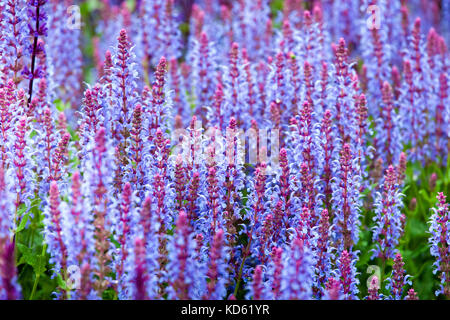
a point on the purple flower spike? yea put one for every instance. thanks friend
(333, 290)
(37, 25)
(140, 275)
(54, 236)
(347, 272)
(6, 208)
(412, 295)
(14, 35)
(346, 199)
(439, 242)
(399, 278)
(9, 288)
(276, 269)
(297, 276)
(373, 289)
(125, 229)
(323, 253)
(388, 228)
(258, 288)
(184, 273)
(217, 271)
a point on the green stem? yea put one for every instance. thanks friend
(244, 257)
(239, 276)
(383, 267)
(36, 280)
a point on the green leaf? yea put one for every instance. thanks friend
(28, 256)
(23, 223)
(61, 282)
(39, 267)
(425, 195)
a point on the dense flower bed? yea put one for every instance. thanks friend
(163, 149)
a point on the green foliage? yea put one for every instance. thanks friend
(414, 246)
(32, 258)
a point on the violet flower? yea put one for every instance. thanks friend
(62, 45)
(217, 270)
(439, 244)
(346, 200)
(203, 78)
(399, 278)
(412, 295)
(9, 287)
(97, 167)
(297, 274)
(388, 228)
(140, 275)
(13, 42)
(37, 25)
(53, 231)
(6, 208)
(184, 274)
(80, 242)
(373, 289)
(347, 275)
(258, 288)
(333, 290)
(323, 254)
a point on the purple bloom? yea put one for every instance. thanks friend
(184, 273)
(275, 272)
(373, 289)
(217, 270)
(440, 244)
(256, 215)
(323, 253)
(388, 228)
(54, 236)
(203, 74)
(148, 231)
(64, 55)
(125, 231)
(37, 25)
(140, 271)
(98, 165)
(6, 208)
(346, 200)
(329, 155)
(399, 278)
(80, 243)
(159, 31)
(333, 290)
(163, 184)
(9, 288)
(13, 41)
(258, 288)
(442, 118)
(124, 87)
(388, 141)
(415, 112)
(347, 275)
(297, 274)
(7, 98)
(412, 295)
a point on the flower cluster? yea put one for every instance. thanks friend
(227, 150)
(439, 241)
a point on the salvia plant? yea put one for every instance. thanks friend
(262, 149)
